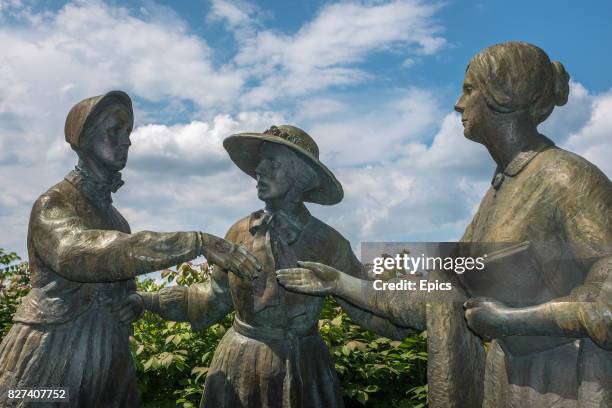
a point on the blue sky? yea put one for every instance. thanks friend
(373, 82)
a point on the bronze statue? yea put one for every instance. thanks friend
(72, 329)
(273, 356)
(550, 350)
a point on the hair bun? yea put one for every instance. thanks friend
(561, 78)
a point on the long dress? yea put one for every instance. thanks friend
(273, 356)
(66, 332)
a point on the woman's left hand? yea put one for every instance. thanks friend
(130, 310)
(488, 318)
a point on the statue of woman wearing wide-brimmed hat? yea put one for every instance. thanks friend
(273, 356)
(551, 335)
(71, 330)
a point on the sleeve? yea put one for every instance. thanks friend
(344, 260)
(208, 303)
(65, 244)
(591, 305)
(586, 211)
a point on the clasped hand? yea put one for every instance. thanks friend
(231, 257)
(130, 309)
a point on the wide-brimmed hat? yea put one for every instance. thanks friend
(82, 114)
(244, 150)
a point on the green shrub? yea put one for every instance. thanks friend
(14, 284)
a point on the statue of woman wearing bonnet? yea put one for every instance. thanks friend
(549, 315)
(71, 330)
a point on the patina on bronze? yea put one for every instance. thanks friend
(72, 329)
(273, 356)
(558, 205)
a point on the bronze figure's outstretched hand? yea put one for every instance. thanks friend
(234, 258)
(311, 278)
(488, 318)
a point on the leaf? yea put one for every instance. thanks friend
(371, 388)
(167, 360)
(199, 371)
(148, 364)
(354, 344)
(205, 356)
(362, 397)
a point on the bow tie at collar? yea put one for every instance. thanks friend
(287, 226)
(98, 191)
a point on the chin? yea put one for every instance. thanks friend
(470, 136)
(118, 166)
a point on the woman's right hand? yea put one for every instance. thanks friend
(234, 258)
(312, 278)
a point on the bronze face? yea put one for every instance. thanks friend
(109, 140)
(275, 172)
(476, 115)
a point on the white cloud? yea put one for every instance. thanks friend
(594, 140)
(234, 13)
(88, 48)
(427, 193)
(380, 134)
(321, 53)
(317, 108)
(196, 147)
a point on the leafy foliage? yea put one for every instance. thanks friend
(14, 283)
(172, 360)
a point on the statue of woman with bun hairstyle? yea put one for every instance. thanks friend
(552, 349)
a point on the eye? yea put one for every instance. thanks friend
(468, 89)
(114, 133)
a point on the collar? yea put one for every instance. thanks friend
(98, 191)
(520, 161)
(287, 225)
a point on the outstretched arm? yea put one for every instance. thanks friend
(202, 304)
(78, 253)
(398, 307)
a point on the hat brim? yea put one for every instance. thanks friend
(244, 150)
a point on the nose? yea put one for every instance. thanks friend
(459, 105)
(124, 140)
